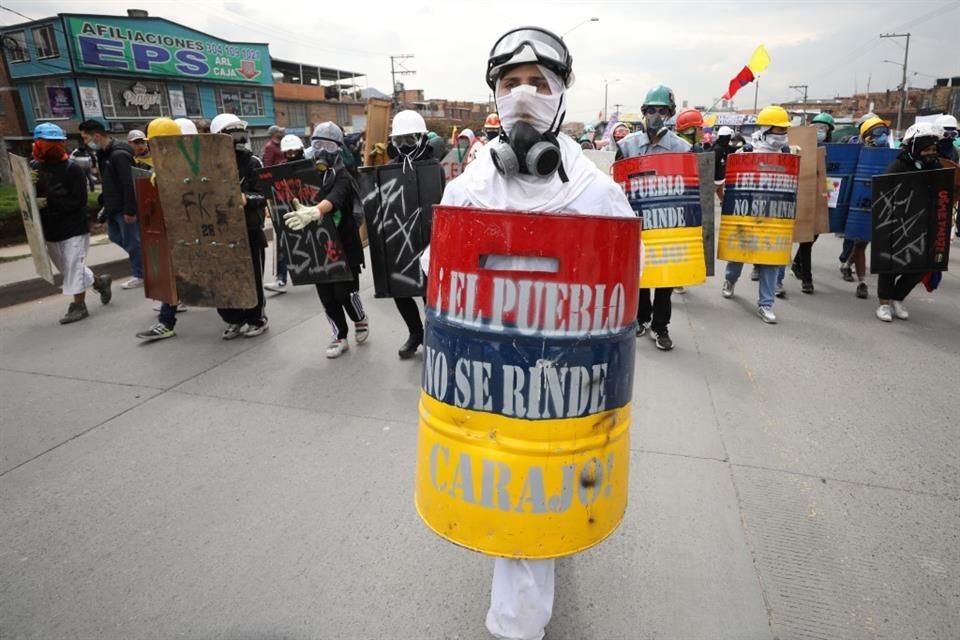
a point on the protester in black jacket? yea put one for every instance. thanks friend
(246, 322)
(62, 198)
(119, 200)
(339, 299)
(409, 144)
(918, 153)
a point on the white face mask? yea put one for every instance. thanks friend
(524, 103)
(776, 139)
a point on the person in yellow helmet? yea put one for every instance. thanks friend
(770, 137)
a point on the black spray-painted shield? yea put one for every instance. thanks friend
(911, 221)
(398, 207)
(315, 253)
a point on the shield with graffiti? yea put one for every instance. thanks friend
(315, 253)
(398, 205)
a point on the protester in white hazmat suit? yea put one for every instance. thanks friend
(529, 69)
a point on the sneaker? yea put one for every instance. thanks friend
(884, 313)
(232, 331)
(862, 291)
(846, 271)
(900, 311)
(642, 328)
(75, 312)
(727, 290)
(181, 308)
(780, 292)
(680, 290)
(766, 314)
(280, 286)
(795, 270)
(337, 348)
(133, 283)
(158, 331)
(253, 330)
(409, 348)
(104, 286)
(755, 273)
(661, 339)
(362, 331)
(806, 287)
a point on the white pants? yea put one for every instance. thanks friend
(70, 258)
(521, 598)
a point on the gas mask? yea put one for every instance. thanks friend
(326, 153)
(528, 144)
(239, 138)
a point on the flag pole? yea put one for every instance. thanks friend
(756, 92)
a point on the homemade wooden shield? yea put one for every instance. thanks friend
(911, 221)
(841, 165)
(199, 190)
(528, 376)
(159, 282)
(314, 253)
(759, 205)
(706, 166)
(664, 190)
(811, 218)
(30, 214)
(378, 126)
(398, 206)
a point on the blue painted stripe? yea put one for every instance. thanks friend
(527, 377)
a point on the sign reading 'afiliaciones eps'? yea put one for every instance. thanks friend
(163, 48)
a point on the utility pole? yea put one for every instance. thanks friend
(756, 93)
(903, 83)
(397, 69)
(616, 109)
(803, 118)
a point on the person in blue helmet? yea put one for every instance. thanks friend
(62, 193)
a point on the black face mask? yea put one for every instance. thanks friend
(239, 139)
(723, 141)
(529, 152)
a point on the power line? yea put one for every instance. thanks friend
(395, 62)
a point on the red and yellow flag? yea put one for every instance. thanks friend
(759, 61)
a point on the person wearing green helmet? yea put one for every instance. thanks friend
(802, 266)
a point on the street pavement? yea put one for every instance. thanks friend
(798, 481)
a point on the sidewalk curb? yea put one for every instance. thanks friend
(36, 288)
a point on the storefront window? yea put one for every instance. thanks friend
(191, 97)
(133, 99)
(242, 102)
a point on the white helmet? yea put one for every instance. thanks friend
(922, 130)
(406, 123)
(187, 127)
(226, 121)
(328, 131)
(291, 142)
(947, 122)
(725, 131)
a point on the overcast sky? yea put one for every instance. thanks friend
(694, 47)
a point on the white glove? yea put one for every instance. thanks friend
(301, 216)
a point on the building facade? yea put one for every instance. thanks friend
(128, 70)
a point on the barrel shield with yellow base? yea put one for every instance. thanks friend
(664, 190)
(759, 207)
(528, 377)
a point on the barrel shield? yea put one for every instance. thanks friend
(872, 162)
(759, 206)
(528, 376)
(664, 190)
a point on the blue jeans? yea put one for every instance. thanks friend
(168, 315)
(127, 236)
(768, 280)
(846, 250)
(282, 268)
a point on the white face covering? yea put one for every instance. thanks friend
(776, 139)
(524, 103)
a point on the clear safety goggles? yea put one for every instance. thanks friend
(321, 144)
(407, 140)
(546, 49)
(876, 132)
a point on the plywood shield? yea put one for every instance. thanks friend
(159, 281)
(378, 127)
(398, 206)
(808, 189)
(911, 221)
(30, 214)
(315, 253)
(199, 190)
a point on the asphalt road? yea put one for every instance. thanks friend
(798, 481)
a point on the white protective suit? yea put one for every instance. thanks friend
(521, 597)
